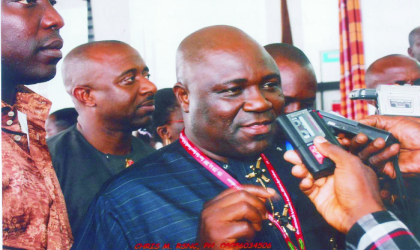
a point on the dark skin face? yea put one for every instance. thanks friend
(30, 42)
(122, 92)
(175, 124)
(396, 70)
(50, 126)
(233, 101)
(404, 71)
(172, 129)
(414, 51)
(299, 85)
(230, 95)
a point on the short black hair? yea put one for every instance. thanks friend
(165, 104)
(288, 52)
(65, 118)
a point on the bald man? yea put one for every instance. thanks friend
(230, 94)
(298, 79)
(109, 84)
(414, 41)
(393, 69)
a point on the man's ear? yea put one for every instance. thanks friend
(163, 132)
(84, 95)
(410, 52)
(181, 93)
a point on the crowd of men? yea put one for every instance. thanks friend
(228, 180)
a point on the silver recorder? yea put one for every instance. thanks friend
(392, 99)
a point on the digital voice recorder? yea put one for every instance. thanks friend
(343, 125)
(301, 128)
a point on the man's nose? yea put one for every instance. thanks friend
(257, 102)
(51, 18)
(147, 87)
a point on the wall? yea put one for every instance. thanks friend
(314, 28)
(386, 25)
(155, 28)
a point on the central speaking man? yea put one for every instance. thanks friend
(230, 93)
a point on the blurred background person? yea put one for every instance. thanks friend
(146, 136)
(298, 79)
(167, 118)
(393, 69)
(414, 40)
(60, 120)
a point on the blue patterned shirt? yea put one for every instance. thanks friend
(159, 200)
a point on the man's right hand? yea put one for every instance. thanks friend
(344, 197)
(234, 215)
(407, 131)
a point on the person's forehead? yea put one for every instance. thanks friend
(176, 113)
(116, 56)
(107, 64)
(416, 36)
(391, 74)
(296, 72)
(51, 118)
(298, 82)
(403, 68)
(226, 64)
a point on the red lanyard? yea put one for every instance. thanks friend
(232, 183)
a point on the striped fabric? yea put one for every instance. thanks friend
(351, 58)
(91, 33)
(380, 230)
(159, 200)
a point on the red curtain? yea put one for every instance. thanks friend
(352, 61)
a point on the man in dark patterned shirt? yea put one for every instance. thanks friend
(230, 93)
(110, 87)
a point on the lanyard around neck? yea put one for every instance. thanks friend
(231, 182)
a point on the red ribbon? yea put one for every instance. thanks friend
(231, 182)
